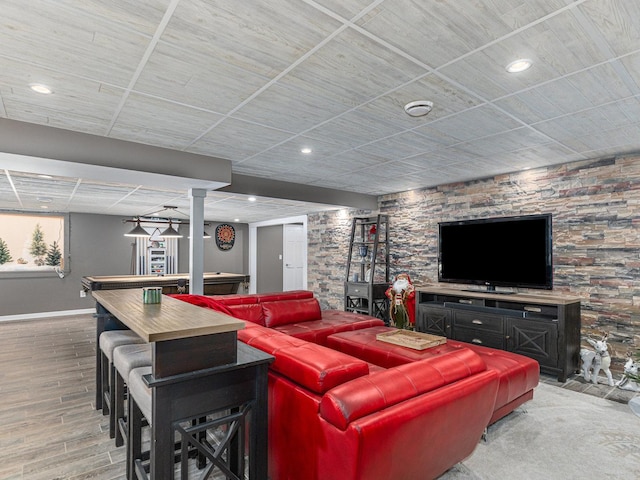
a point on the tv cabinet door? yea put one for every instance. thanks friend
(537, 339)
(434, 320)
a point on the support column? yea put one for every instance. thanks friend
(196, 241)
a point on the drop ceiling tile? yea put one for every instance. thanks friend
(570, 94)
(290, 109)
(85, 41)
(505, 142)
(592, 121)
(76, 104)
(353, 161)
(557, 47)
(289, 157)
(351, 69)
(473, 123)
(618, 21)
(450, 29)
(236, 140)
(345, 8)
(174, 124)
(355, 128)
(261, 36)
(198, 77)
(402, 145)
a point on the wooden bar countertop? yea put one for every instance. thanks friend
(169, 320)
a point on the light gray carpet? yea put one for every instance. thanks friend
(560, 434)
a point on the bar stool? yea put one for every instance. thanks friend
(109, 340)
(139, 408)
(125, 359)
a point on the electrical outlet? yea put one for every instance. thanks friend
(83, 294)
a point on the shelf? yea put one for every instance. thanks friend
(368, 297)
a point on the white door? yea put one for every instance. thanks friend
(293, 257)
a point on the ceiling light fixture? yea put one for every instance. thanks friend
(40, 88)
(137, 231)
(519, 65)
(252, 199)
(306, 150)
(419, 108)
(153, 219)
(170, 232)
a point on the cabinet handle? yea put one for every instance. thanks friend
(477, 340)
(476, 322)
(533, 309)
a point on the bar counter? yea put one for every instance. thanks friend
(198, 367)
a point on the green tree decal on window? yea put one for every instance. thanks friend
(5, 255)
(38, 246)
(54, 255)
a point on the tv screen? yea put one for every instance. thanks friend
(507, 252)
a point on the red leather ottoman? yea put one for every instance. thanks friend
(518, 374)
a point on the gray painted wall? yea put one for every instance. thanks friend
(269, 259)
(97, 247)
(235, 260)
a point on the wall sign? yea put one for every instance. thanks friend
(225, 236)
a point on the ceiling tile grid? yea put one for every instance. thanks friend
(255, 81)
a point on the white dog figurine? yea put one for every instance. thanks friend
(626, 383)
(596, 361)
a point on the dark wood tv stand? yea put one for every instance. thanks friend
(543, 327)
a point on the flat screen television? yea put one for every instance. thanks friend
(497, 252)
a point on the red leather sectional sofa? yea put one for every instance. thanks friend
(335, 415)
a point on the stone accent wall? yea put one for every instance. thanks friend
(596, 236)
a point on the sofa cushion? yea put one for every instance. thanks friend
(235, 299)
(252, 312)
(317, 331)
(312, 366)
(290, 295)
(380, 390)
(290, 311)
(203, 301)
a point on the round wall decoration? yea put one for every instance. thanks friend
(225, 236)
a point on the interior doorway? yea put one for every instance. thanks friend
(294, 243)
(298, 237)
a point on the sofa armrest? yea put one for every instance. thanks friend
(380, 390)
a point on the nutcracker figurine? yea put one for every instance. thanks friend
(401, 294)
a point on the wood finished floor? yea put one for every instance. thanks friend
(49, 428)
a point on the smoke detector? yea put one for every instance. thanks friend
(419, 108)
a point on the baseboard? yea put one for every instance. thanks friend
(33, 316)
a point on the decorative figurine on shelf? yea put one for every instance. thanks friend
(401, 305)
(596, 361)
(630, 378)
(372, 233)
(363, 251)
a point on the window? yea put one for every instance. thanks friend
(33, 244)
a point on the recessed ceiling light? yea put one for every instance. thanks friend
(306, 150)
(236, 219)
(48, 177)
(418, 108)
(40, 88)
(44, 207)
(519, 65)
(252, 199)
(44, 199)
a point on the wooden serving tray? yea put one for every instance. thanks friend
(410, 339)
